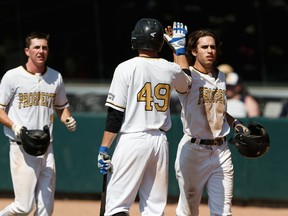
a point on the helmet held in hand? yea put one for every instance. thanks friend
(255, 144)
(35, 142)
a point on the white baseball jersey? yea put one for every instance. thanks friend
(141, 87)
(198, 166)
(144, 86)
(30, 99)
(203, 107)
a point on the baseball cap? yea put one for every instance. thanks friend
(225, 68)
(232, 79)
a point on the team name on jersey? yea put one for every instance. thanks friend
(208, 95)
(36, 99)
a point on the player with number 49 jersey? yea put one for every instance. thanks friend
(139, 113)
(144, 85)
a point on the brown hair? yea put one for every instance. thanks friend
(39, 35)
(193, 42)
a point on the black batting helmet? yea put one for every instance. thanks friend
(147, 35)
(35, 142)
(255, 144)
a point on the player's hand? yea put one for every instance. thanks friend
(176, 37)
(104, 161)
(17, 130)
(71, 124)
(240, 128)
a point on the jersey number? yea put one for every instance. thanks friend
(162, 94)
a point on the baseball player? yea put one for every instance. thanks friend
(203, 157)
(29, 95)
(138, 111)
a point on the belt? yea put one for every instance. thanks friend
(217, 141)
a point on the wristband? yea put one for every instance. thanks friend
(103, 149)
(180, 51)
(235, 122)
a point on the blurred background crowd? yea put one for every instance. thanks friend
(90, 37)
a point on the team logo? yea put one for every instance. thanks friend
(111, 96)
(153, 34)
(181, 42)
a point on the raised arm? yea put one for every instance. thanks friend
(176, 39)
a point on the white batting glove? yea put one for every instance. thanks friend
(177, 38)
(17, 130)
(240, 128)
(71, 124)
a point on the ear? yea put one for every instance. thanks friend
(26, 50)
(194, 52)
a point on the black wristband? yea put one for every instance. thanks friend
(235, 122)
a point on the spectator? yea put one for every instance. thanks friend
(240, 103)
(225, 68)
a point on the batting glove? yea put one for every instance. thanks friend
(104, 162)
(240, 128)
(177, 38)
(17, 130)
(71, 124)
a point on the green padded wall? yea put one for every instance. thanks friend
(77, 172)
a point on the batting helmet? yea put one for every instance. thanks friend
(35, 142)
(147, 35)
(255, 144)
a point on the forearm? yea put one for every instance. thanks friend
(63, 114)
(230, 119)
(181, 60)
(4, 119)
(65, 117)
(236, 124)
(253, 107)
(108, 138)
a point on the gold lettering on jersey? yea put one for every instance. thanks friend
(160, 99)
(45, 99)
(162, 93)
(213, 102)
(207, 95)
(145, 95)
